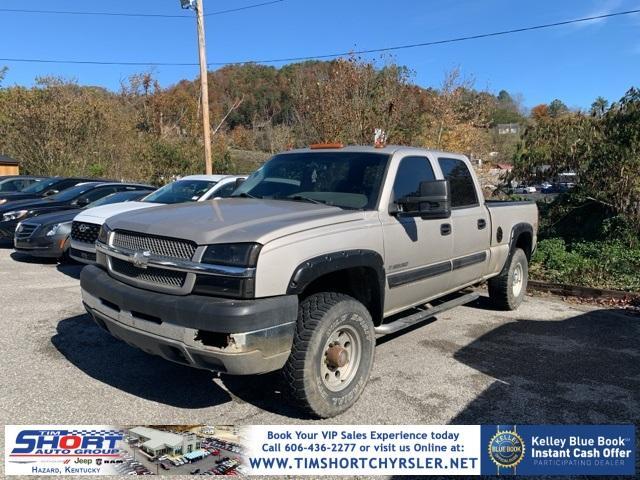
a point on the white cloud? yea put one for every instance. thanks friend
(603, 8)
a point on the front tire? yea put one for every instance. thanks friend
(508, 289)
(332, 354)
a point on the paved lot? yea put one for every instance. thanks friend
(549, 362)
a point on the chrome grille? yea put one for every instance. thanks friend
(85, 232)
(26, 230)
(166, 247)
(158, 276)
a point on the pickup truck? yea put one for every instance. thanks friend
(314, 255)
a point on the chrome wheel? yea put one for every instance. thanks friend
(518, 280)
(341, 359)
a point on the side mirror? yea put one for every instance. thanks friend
(434, 201)
(239, 181)
(48, 193)
(81, 202)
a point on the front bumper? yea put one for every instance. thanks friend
(45, 247)
(238, 337)
(83, 252)
(8, 229)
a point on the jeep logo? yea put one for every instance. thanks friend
(141, 259)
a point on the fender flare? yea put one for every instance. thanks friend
(316, 267)
(517, 230)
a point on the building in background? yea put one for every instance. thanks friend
(508, 128)
(158, 442)
(9, 166)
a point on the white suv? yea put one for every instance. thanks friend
(193, 188)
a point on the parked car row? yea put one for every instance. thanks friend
(130, 466)
(37, 213)
(226, 466)
(215, 445)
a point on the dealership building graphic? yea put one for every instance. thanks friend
(157, 442)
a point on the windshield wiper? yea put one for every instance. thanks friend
(305, 199)
(244, 195)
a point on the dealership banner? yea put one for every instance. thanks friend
(317, 450)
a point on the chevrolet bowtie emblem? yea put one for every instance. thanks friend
(141, 259)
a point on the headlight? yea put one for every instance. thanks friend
(53, 229)
(16, 215)
(3, 200)
(232, 254)
(103, 236)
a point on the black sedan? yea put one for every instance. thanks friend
(47, 236)
(17, 183)
(75, 197)
(44, 188)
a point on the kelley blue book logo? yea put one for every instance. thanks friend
(558, 449)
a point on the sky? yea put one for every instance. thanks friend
(574, 63)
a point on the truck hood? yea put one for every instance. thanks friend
(233, 220)
(98, 215)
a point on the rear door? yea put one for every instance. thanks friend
(417, 251)
(470, 223)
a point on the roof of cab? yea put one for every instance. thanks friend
(388, 150)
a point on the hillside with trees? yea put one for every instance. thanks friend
(148, 132)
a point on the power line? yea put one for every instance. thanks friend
(341, 54)
(147, 15)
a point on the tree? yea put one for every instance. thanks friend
(557, 108)
(540, 111)
(3, 73)
(599, 107)
(458, 117)
(556, 144)
(613, 172)
(347, 102)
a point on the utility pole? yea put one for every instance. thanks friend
(204, 85)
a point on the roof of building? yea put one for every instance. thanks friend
(158, 438)
(195, 454)
(4, 160)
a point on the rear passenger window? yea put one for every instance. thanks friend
(411, 172)
(463, 190)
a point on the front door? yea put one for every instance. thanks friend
(417, 251)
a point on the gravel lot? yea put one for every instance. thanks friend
(548, 362)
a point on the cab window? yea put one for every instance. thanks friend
(463, 190)
(411, 172)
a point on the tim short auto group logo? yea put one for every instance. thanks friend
(42, 447)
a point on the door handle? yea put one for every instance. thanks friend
(445, 229)
(482, 223)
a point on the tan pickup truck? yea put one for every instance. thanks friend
(319, 252)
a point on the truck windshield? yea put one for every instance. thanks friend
(180, 191)
(350, 180)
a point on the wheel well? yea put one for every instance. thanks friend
(359, 282)
(525, 242)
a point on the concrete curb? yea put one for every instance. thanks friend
(583, 292)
